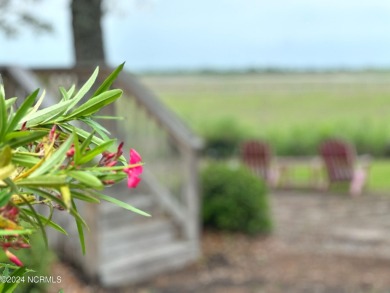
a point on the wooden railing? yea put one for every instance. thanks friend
(169, 148)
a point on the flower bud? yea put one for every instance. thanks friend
(12, 257)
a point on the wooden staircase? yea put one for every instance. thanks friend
(124, 247)
(139, 247)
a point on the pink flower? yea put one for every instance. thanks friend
(133, 173)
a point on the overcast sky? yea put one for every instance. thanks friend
(227, 34)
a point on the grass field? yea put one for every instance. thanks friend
(264, 102)
(289, 108)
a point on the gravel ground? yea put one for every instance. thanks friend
(322, 243)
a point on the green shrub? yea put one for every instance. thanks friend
(224, 136)
(297, 141)
(303, 140)
(234, 200)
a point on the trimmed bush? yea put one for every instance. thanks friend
(234, 200)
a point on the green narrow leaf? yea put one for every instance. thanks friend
(24, 160)
(36, 106)
(23, 137)
(46, 195)
(96, 103)
(98, 128)
(3, 112)
(51, 119)
(55, 160)
(87, 142)
(64, 93)
(120, 203)
(5, 156)
(86, 178)
(80, 230)
(96, 151)
(78, 217)
(23, 216)
(42, 181)
(76, 144)
(5, 196)
(84, 134)
(109, 80)
(113, 176)
(11, 113)
(10, 102)
(21, 112)
(84, 89)
(15, 232)
(95, 140)
(38, 221)
(47, 222)
(18, 134)
(47, 113)
(84, 197)
(71, 91)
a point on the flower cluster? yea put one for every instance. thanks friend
(45, 159)
(9, 220)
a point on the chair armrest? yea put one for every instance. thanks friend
(364, 161)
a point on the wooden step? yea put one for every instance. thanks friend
(114, 216)
(137, 231)
(137, 267)
(123, 245)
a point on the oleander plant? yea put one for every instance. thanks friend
(48, 157)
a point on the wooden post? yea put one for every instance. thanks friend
(191, 198)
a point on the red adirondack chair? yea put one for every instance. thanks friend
(257, 156)
(341, 165)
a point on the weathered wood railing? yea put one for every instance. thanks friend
(168, 147)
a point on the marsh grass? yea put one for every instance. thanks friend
(277, 101)
(293, 111)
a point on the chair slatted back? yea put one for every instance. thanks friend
(257, 156)
(338, 157)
